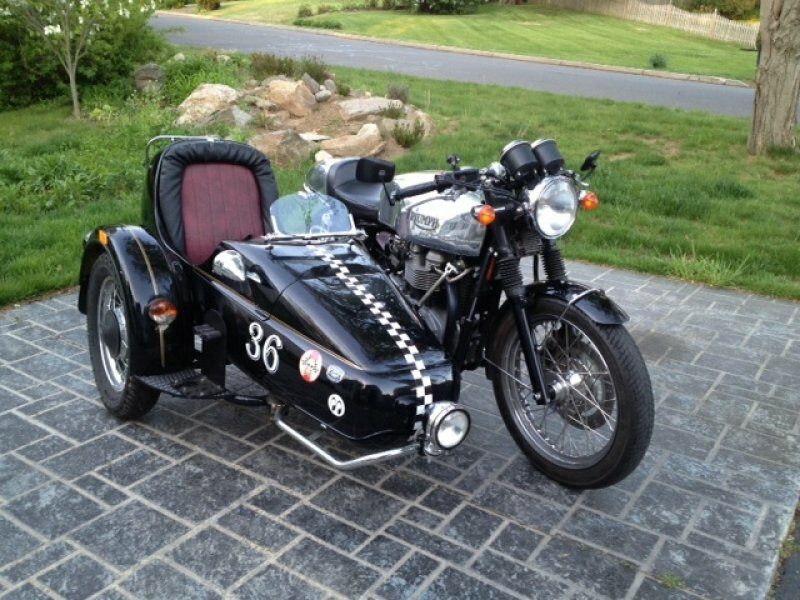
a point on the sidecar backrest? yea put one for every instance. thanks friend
(211, 191)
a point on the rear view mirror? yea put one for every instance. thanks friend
(374, 170)
(590, 164)
(229, 264)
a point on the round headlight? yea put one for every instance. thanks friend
(452, 429)
(553, 204)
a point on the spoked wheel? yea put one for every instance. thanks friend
(110, 347)
(595, 426)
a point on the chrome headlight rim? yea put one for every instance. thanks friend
(538, 200)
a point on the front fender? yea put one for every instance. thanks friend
(145, 274)
(593, 302)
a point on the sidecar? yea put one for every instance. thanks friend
(224, 271)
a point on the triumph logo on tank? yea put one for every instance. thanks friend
(424, 221)
(310, 365)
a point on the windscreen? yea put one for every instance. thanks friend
(309, 213)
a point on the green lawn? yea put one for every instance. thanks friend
(679, 194)
(529, 30)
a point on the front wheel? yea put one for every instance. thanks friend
(595, 427)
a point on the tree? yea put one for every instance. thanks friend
(778, 78)
(67, 27)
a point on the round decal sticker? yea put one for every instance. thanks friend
(310, 365)
(335, 374)
(336, 405)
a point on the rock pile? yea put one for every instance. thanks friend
(291, 120)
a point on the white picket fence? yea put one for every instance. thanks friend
(710, 25)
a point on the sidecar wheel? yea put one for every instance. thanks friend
(110, 346)
(596, 429)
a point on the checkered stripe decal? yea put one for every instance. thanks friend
(393, 328)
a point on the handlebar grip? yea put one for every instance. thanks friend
(438, 184)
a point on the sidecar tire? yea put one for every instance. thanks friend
(634, 399)
(122, 394)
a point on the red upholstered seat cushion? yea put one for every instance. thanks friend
(218, 202)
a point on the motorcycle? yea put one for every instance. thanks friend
(362, 299)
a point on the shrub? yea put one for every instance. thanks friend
(445, 7)
(171, 3)
(313, 65)
(208, 4)
(266, 65)
(408, 136)
(304, 11)
(658, 61)
(342, 88)
(393, 112)
(397, 92)
(732, 9)
(318, 23)
(325, 8)
(371, 4)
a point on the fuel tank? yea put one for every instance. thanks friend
(332, 302)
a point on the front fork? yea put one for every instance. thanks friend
(511, 275)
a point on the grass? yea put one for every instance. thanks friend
(679, 194)
(671, 581)
(529, 30)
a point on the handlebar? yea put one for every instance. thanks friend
(439, 184)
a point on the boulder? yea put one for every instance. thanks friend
(149, 78)
(206, 100)
(387, 126)
(417, 115)
(313, 136)
(330, 85)
(233, 116)
(179, 57)
(310, 82)
(293, 96)
(284, 148)
(323, 95)
(259, 102)
(272, 78)
(367, 142)
(322, 156)
(357, 108)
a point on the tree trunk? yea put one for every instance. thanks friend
(778, 78)
(73, 88)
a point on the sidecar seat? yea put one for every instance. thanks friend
(211, 191)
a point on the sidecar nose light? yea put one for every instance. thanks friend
(162, 311)
(448, 426)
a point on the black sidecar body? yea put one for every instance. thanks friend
(223, 271)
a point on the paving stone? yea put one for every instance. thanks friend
(275, 582)
(771, 419)
(663, 509)
(328, 529)
(614, 535)
(37, 561)
(287, 469)
(709, 575)
(329, 568)
(13, 348)
(522, 580)
(87, 457)
(383, 552)
(452, 584)
(78, 578)
(434, 469)
(217, 443)
(130, 469)
(750, 505)
(155, 441)
(406, 580)
(47, 403)
(273, 500)
(256, 527)
(16, 432)
(159, 581)
(471, 526)
(758, 478)
(406, 485)
(442, 500)
(713, 545)
(524, 476)
(420, 516)
(128, 534)
(358, 503)
(234, 420)
(586, 566)
(166, 421)
(80, 420)
(44, 366)
(101, 490)
(681, 442)
(519, 507)
(654, 590)
(432, 543)
(25, 592)
(44, 448)
(10, 400)
(16, 477)
(485, 468)
(691, 423)
(517, 542)
(53, 509)
(16, 542)
(196, 488)
(610, 500)
(217, 557)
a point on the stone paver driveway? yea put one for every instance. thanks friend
(203, 501)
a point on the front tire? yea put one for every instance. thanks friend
(110, 344)
(596, 429)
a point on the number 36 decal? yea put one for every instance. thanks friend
(269, 353)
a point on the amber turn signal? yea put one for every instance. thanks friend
(162, 311)
(589, 201)
(485, 215)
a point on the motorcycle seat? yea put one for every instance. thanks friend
(361, 198)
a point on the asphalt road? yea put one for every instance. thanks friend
(437, 64)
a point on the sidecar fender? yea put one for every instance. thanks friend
(145, 274)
